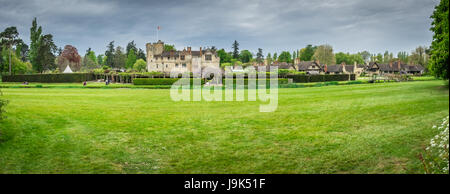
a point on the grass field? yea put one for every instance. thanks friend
(367, 128)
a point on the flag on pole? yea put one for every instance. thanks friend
(157, 30)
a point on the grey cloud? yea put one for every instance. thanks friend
(348, 25)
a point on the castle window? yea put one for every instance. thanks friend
(182, 57)
(176, 65)
(208, 57)
(156, 66)
(184, 65)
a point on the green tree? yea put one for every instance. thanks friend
(235, 50)
(141, 55)
(168, 47)
(275, 57)
(365, 55)
(259, 56)
(9, 39)
(419, 56)
(17, 65)
(35, 35)
(285, 56)
(119, 59)
(438, 64)
(131, 46)
(294, 56)
(140, 65)
(224, 56)
(403, 56)
(100, 59)
(379, 58)
(245, 56)
(269, 59)
(342, 57)
(324, 53)
(91, 55)
(307, 53)
(45, 56)
(109, 54)
(131, 59)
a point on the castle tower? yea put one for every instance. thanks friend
(154, 49)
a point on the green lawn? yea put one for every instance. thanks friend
(366, 128)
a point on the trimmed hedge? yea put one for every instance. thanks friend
(321, 78)
(158, 81)
(170, 81)
(280, 81)
(50, 78)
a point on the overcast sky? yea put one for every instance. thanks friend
(347, 25)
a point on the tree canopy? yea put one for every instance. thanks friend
(440, 46)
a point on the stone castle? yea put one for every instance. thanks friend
(159, 60)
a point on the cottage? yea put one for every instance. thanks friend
(310, 67)
(396, 67)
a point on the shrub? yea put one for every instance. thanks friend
(2, 106)
(436, 160)
(50, 78)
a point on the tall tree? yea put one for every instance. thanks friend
(119, 58)
(269, 59)
(109, 54)
(386, 57)
(141, 55)
(324, 53)
(285, 56)
(131, 46)
(224, 56)
(419, 56)
(45, 59)
(365, 55)
(131, 59)
(294, 56)
(35, 35)
(100, 59)
(245, 56)
(22, 50)
(307, 53)
(259, 56)
(275, 57)
(9, 39)
(439, 61)
(403, 56)
(235, 50)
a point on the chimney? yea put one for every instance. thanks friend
(325, 68)
(390, 64)
(200, 51)
(189, 50)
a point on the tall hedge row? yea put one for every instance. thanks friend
(321, 78)
(50, 78)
